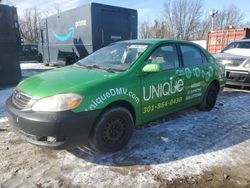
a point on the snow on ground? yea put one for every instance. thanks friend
(34, 65)
(181, 145)
(32, 68)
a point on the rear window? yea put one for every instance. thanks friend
(191, 55)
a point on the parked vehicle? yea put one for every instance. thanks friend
(100, 99)
(72, 35)
(236, 58)
(10, 43)
(29, 52)
(217, 40)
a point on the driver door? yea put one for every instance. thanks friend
(162, 92)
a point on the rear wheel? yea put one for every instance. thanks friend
(113, 130)
(209, 98)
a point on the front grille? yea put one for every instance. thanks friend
(20, 99)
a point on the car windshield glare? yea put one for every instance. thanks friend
(242, 45)
(118, 56)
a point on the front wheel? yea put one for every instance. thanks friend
(209, 99)
(112, 131)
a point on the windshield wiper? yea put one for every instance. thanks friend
(87, 66)
(96, 67)
(114, 70)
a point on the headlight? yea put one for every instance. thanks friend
(247, 64)
(233, 62)
(56, 103)
(226, 62)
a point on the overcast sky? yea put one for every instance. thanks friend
(147, 9)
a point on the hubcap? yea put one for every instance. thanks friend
(114, 130)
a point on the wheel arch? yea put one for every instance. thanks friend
(125, 104)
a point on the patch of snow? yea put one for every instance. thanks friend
(186, 145)
(34, 66)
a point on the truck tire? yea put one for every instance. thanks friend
(69, 61)
(209, 99)
(112, 131)
(40, 58)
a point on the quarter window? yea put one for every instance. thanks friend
(165, 55)
(191, 55)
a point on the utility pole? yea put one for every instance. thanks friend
(213, 13)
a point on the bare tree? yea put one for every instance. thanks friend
(185, 19)
(29, 25)
(57, 8)
(156, 30)
(203, 29)
(229, 16)
(182, 18)
(145, 30)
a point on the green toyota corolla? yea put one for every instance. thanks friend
(100, 99)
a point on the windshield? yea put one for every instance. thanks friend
(116, 57)
(245, 45)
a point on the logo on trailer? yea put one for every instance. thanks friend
(63, 38)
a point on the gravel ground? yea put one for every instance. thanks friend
(187, 149)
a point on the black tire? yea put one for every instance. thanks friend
(69, 61)
(40, 58)
(209, 99)
(112, 131)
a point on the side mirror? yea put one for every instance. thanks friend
(152, 67)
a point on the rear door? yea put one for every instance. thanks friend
(197, 73)
(162, 92)
(115, 26)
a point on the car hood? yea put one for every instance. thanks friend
(63, 80)
(225, 55)
(239, 51)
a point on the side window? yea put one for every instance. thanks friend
(191, 55)
(166, 55)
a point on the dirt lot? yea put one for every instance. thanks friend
(186, 149)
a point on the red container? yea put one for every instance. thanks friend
(217, 40)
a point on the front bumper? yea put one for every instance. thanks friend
(237, 78)
(55, 130)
